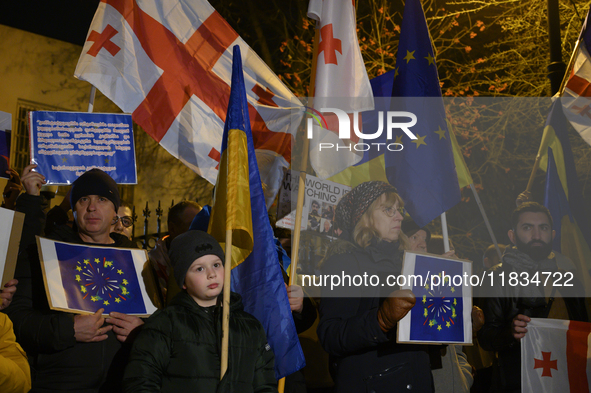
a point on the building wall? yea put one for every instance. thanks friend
(40, 69)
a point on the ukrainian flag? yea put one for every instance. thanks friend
(563, 195)
(240, 206)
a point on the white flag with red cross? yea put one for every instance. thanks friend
(341, 83)
(169, 63)
(576, 97)
(555, 356)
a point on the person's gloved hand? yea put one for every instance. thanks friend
(394, 308)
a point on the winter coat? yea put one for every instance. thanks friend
(504, 302)
(178, 350)
(15, 375)
(58, 362)
(362, 357)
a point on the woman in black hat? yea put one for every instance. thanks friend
(358, 314)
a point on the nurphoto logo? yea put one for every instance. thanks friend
(393, 121)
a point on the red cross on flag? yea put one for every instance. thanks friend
(554, 356)
(341, 83)
(169, 63)
(576, 97)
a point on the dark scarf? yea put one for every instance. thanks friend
(532, 297)
(522, 262)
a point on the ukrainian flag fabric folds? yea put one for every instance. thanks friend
(240, 206)
(563, 195)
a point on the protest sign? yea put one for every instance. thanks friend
(442, 313)
(64, 145)
(320, 201)
(12, 226)
(5, 127)
(82, 278)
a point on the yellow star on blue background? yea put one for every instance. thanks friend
(420, 140)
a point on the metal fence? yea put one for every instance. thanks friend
(147, 240)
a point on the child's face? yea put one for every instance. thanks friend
(205, 280)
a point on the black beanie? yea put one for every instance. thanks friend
(409, 228)
(95, 182)
(188, 247)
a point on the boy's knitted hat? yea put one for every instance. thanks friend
(95, 182)
(188, 247)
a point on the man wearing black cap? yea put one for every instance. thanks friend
(67, 352)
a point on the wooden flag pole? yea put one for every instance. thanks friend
(295, 246)
(302, 178)
(226, 305)
(571, 63)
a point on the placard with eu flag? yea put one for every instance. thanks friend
(64, 145)
(442, 313)
(82, 278)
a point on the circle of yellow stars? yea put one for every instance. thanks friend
(97, 298)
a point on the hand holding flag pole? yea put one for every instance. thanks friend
(240, 223)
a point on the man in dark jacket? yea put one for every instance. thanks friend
(67, 352)
(510, 305)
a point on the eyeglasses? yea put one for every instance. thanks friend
(126, 221)
(391, 211)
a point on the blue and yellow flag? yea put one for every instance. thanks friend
(563, 195)
(240, 206)
(424, 172)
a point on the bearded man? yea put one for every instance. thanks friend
(510, 304)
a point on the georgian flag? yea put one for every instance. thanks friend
(576, 97)
(341, 82)
(169, 63)
(555, 356)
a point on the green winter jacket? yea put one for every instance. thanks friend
(178, 350)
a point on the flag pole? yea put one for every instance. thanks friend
(226, 304)
(297, 228)
(568, 68)
(304, 166)
(91, 99)
(486, 222)
(444, 232)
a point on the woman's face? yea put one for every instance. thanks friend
(387, 220)
(418, 241)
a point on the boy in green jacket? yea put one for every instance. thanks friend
(179, 347)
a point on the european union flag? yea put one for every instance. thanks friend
(240, 206)
(438, 315)
(425, 172)
(95, 278)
